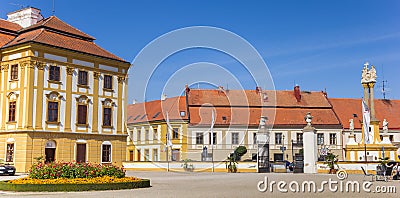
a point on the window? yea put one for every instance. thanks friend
(320, 139)
(82, 78)
(235, 138)
(254, 138)
(146, 134)
(52, 114)
(11, 112)
(199, 138)
(106, 116)
(214, 138)
(299, 137)
(146, 154)
(14, 72)
(10, 152)
(155, 134)
(278, 138)
(82, 114)
(107, 82)
(106, 153)
(54, 73)
(175, 134)
(155, 155)
(332, 138)
(139, 136)
(182, 113)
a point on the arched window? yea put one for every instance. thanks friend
(12, 106)
(107, 112)
(82, 113)
(53, 105)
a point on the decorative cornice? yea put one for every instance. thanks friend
(96, 75)
(5, 67)
(121, 79)
(70, 70)
(40, 65)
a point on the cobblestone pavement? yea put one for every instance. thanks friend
(168, 184)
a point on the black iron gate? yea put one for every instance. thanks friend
(263, 158)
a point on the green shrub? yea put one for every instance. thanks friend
(55, 170)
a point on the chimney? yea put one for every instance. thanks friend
(258, 90)
(297, 93)
(187, 89)
(163, 97)
(25, 17)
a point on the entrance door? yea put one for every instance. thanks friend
(50, 154)
(80, 152)
(263, 158)
(138, 155)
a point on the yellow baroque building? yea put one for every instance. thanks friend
(62, 97)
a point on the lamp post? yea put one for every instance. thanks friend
(283, 146)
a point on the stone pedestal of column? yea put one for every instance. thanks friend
(310, 149)
(386, 139)
(352, 140)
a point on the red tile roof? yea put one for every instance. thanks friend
(252, 98)
(9, 26)
(56, 24)
(54, 32)
(5, 38)
(384, 109)
(157, 110)
(245, 107)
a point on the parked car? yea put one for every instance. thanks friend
(291, 166)
(6, 169)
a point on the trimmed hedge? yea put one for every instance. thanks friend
(4, 185)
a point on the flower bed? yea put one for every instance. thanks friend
(70, 176)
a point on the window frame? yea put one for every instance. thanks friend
(278, 138)
(332, 139)
(108, 82)
(299, 137)
(83, 78)
(14, 72)
(79, 114)
(235, 138)
(54, 75)
(12, 112)
(53, 109)
(175, 133)
(214, 138)
(8, 150)
(199, 138)
(106, 153)
(320, 137)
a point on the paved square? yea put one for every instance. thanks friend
(170, 184)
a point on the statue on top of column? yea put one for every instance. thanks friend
(368, 75)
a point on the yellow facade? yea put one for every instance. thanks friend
(33, 90)
(156, 145)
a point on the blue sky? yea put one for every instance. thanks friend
(316, 44)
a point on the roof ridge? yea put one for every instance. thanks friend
(41, 31)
